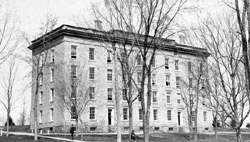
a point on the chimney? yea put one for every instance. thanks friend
(98, 25)
(182, 39)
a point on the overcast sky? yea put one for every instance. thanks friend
(30, 13)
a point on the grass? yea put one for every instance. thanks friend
(157, 137)
(162, 137)
(19, 138)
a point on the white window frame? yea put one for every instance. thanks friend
(178, 79)
(155, 113)
(169, 115)
(91, 93)
(140, 114)
(109, 59)
(52, 55)
(73, 52)
(204, 116)
(154, 96)
(176, 64)
(51, 114)
(92, 113)
(190, 66)
(91, 74)
(110, 94)
(168, 97)
(40, 116)
(92, 54)
(138, 60)
(41, 79)
(109, 75)
(52, 94)
(167, 80)
(52, 75)
(166, 63)
(125, 114)
(153, 79)
(41, 97)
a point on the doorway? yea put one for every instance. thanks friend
(179, 118)
(109, 116)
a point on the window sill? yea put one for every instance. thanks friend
(126, 120)
(92, 120)
(91, 60)
(92, 99)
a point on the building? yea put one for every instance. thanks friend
(68, 46)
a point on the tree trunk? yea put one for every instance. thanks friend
(238, 135)
(77, 126)
(130, 120)
(117, 98)
(35, 108)
(8, 123)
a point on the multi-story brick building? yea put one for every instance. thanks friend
(70, 46)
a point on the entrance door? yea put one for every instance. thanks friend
(179, 118)
(109, 116)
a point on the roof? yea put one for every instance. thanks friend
(116, 36)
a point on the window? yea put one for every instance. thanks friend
(92, 113)
(73, 92)
(140, 114)
(52, 94)
(91, 73)
(73, 71)
(110, 93)
(138, 60)
(153, 79)
(155, 111)
(169, 115)
(203, 99)
(154, 96)
(168, 97)
(125, 113)
(139, 77)
(124, 94)
(168, 80)
(52, 75)
(192, 115)
(166, 63)
(73, 51)
(190, 82)
(41, 97)
(189, 66)
(153, 62)
(73, 112)
(178, 101)
(176, 65)
(51, 114)
(52, 55)
(109, 60)
(40, 116)
(205, 115)
(91, 53)
(41, 60)
(41, 79)
(177, 82)
(109, 75)
(91, 93)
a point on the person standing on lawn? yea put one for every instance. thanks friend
(72, 130)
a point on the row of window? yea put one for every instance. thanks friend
(42, 60)
(138, 58)
(92, 115)
(52, 77)
(52, 95)
(51, 115)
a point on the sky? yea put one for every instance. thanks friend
(29, 15)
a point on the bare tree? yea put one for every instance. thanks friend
(192, 92)
(9, 37)
(39, 63)
(75, 91)
(23, 115)
(8, 82)
(147, 22)
(221, 39)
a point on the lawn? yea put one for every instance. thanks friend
(162, 137)
(18, 138)
(158, 137)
